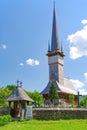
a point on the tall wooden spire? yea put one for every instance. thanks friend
(55, 44)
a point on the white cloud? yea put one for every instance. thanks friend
(32, 62)
(74, 53)
(83, 91)
(80, 86)
(4, 46)
(84, 21)
(78, 42)
(85, 75)
(77, 84)
(21, 64)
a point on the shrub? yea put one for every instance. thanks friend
(83, 102)
(5, 119)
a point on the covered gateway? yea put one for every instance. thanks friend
(17, 102)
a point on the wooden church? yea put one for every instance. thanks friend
(56, 55)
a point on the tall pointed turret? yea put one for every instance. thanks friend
(55, 54)
(55, 58)
(54, 39)
(56, 62)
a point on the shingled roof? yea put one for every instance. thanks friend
(66, 88)
(19, 95)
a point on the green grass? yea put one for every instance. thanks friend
(47, 125)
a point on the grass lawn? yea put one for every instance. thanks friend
(47, 125)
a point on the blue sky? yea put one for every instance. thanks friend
(25, 30)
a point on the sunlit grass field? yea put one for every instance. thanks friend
(46, 125)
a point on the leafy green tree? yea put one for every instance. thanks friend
(83, 102)
(53, 94)
(71, 98)
(36, 96)
(4, 93)
(11, 87)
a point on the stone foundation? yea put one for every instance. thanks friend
(4, 111)
(59, 113)
(54, 113)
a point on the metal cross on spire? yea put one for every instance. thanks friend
(20, 84)
(17, 82)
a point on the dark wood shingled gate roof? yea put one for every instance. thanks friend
(19, 95)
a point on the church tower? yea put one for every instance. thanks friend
(55, 55)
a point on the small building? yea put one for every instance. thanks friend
(55, 56)
(17, 103)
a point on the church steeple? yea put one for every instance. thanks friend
(56, 62)
(55, 54)
(55, 44)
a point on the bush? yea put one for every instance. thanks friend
(83, 102)
(5, 119)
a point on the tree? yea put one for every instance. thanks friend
(83, 102)
(11, 87)
(36, 96)
(4, 93)
(71, 98)
(53, 94)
